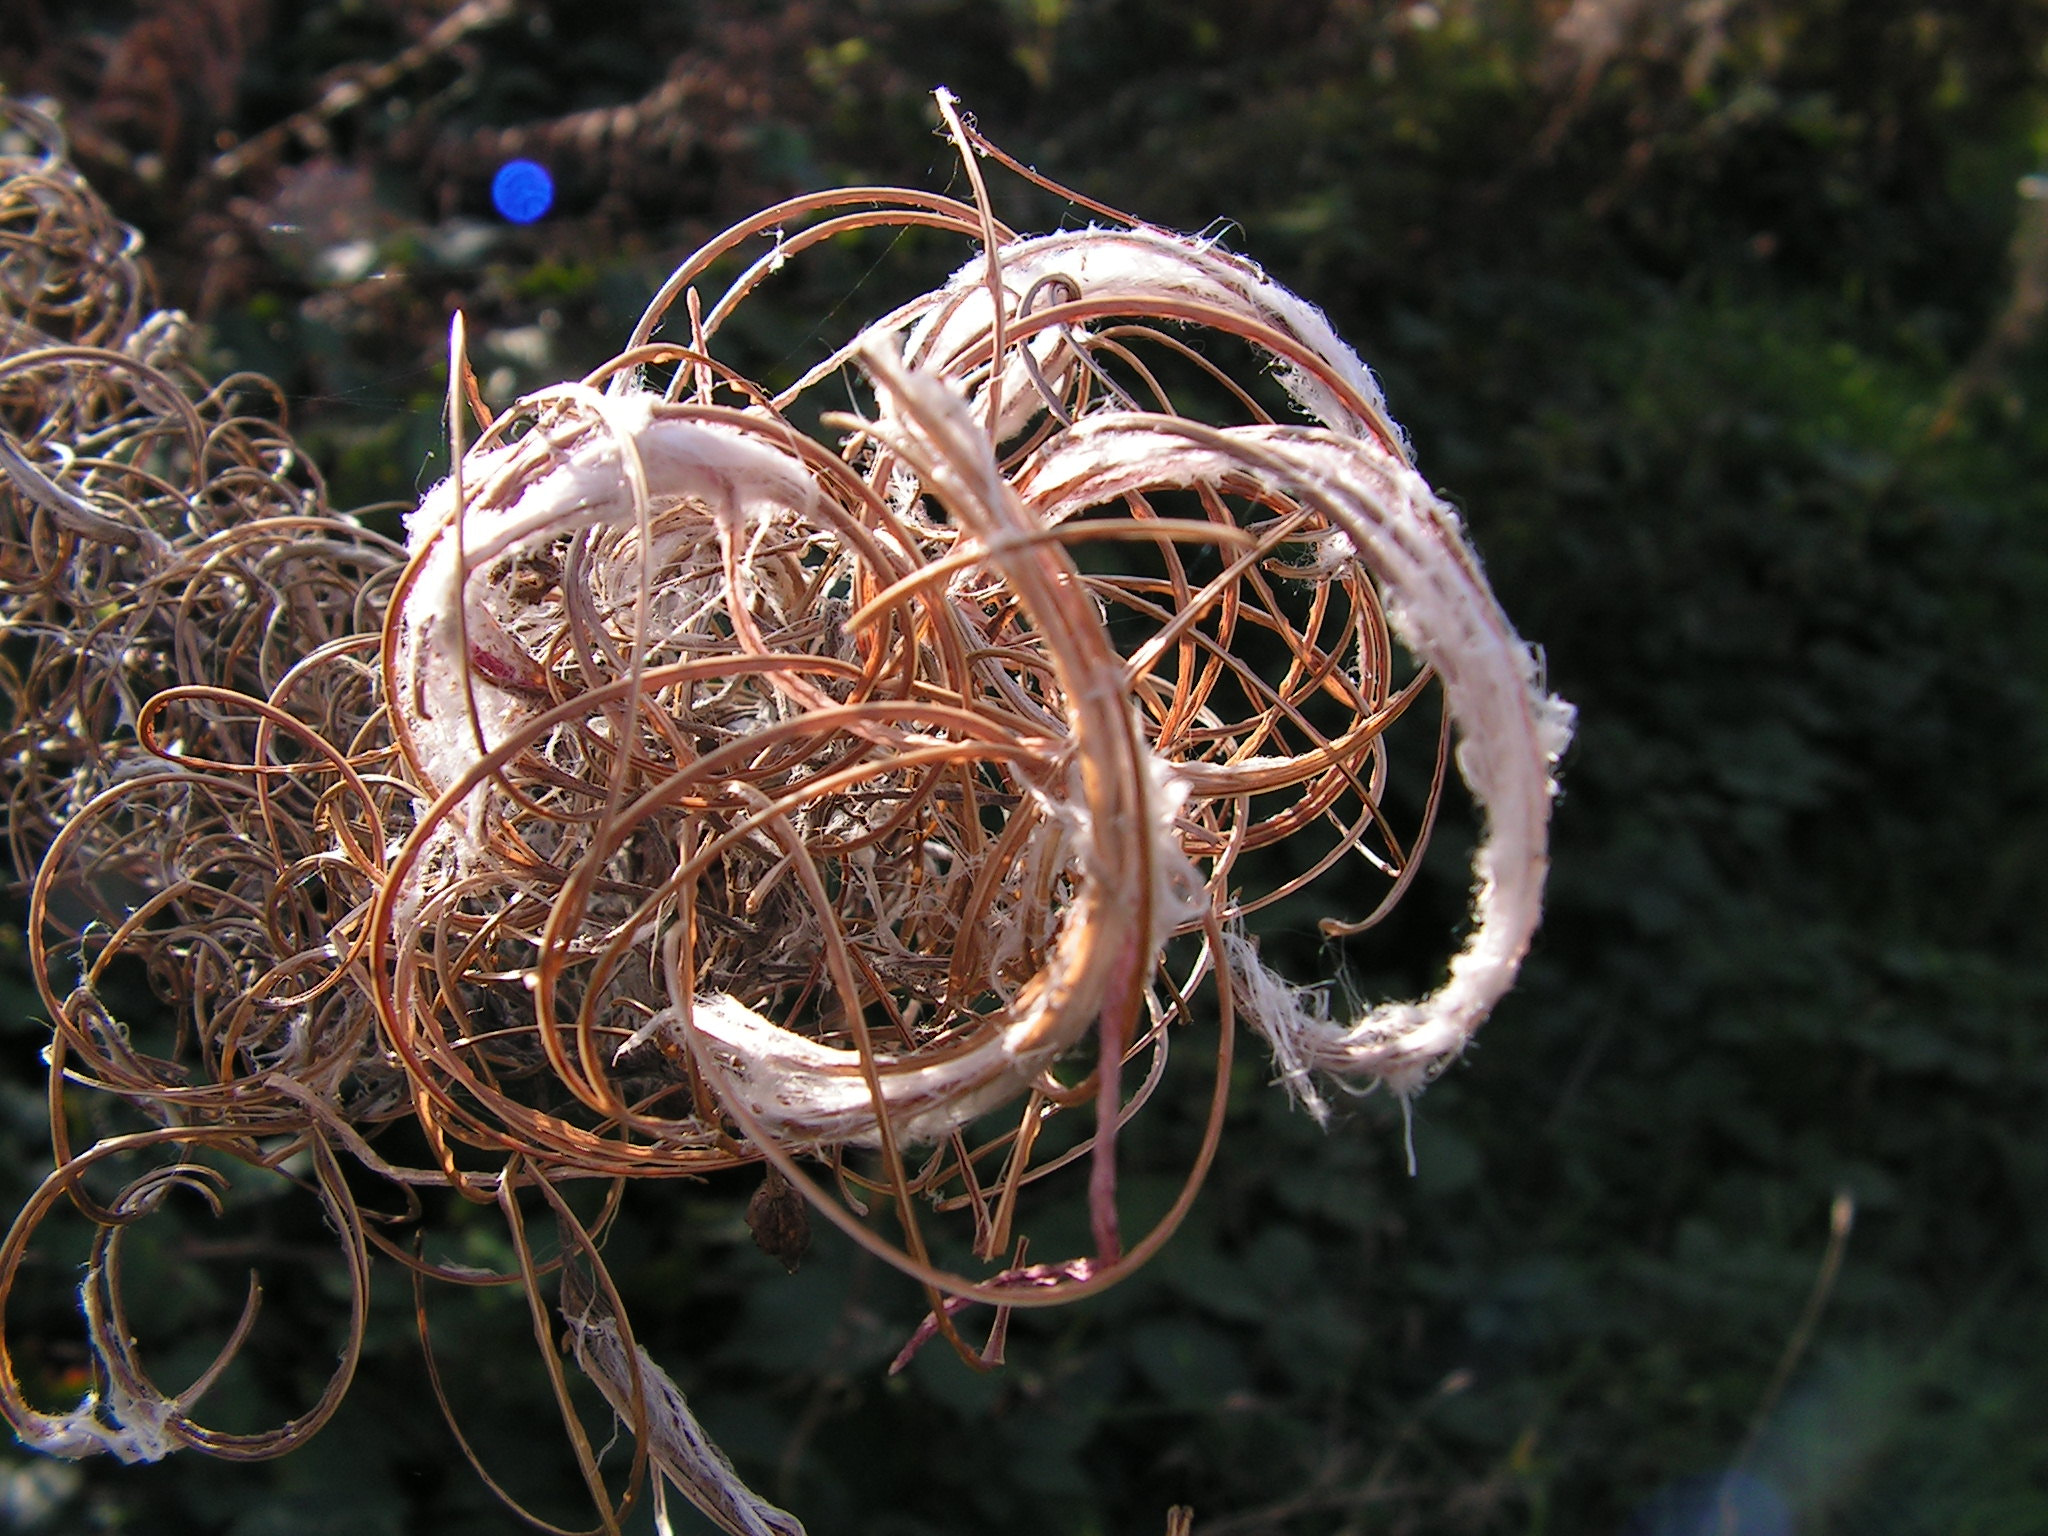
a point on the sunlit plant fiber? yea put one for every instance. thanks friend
(689, 792)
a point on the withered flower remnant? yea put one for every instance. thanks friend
(692, 792)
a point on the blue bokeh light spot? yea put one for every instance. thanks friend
(523, 190)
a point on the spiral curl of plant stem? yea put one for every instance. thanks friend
(68, 268)
(689, 792)
(167, 553)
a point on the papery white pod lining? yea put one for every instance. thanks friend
(1140, 264)
(555, 492)
(121, 1426)
(810, 1095)
(1511, 733)
(1285, 1015)
(813, 1095)
(131, 1426)
(683, 1453)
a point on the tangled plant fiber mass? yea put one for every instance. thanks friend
(690, 791)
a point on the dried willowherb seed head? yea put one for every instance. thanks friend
(692, 792)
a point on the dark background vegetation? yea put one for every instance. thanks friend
(1716, 317)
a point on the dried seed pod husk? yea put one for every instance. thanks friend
(690, 793)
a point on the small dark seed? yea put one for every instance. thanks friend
(779, 1221)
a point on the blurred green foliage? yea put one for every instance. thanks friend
(1691, 316)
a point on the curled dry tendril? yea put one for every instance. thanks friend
(691, 790)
